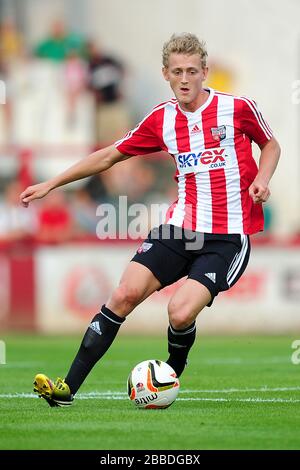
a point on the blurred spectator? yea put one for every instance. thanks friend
(10, 43)
(75, 80)
(105, 81)
(11, 50)
(57, 101)
(55, 219)
(268, 214)
(84, 212)
(134, 180)
(96, 188)
(267, 234)
(16, 222)
(60, 43)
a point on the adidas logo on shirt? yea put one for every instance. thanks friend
(95, 326)
(211, 276)
(195, 129)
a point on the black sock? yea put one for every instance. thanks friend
(179, 345)
(96, 341)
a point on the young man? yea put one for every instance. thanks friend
(220, 196)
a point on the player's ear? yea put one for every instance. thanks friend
(165, 73)
(205, 72)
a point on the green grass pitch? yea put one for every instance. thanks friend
(237, 393)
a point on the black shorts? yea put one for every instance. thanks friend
(215, 260)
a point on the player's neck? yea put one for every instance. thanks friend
(197, 103)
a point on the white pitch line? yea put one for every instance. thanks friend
(117, 395)
(124, 397)
(188, 391)
(239, 390)
(254, 399)
(17, 395)
(245, 400)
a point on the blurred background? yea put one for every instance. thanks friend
(76, 76)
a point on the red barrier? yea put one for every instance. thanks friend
(19, 279)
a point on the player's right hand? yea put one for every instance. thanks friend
(36, 191)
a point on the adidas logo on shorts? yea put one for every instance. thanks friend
(211, 276)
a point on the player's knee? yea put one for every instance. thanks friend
(179, 315)
(125, 298)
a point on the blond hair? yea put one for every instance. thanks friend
(184, 43)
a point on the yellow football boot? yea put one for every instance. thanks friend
(55, 393)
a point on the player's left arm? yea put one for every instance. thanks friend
(257, 129)
(270, 153)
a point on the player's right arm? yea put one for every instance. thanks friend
(94, 163)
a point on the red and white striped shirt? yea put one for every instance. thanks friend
(212, 151)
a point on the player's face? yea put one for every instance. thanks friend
(186, 75)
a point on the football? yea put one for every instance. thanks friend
(153, 384)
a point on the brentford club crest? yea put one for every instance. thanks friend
(218, 133)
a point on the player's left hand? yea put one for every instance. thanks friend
(259, 192)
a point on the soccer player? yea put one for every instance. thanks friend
(220, 196)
